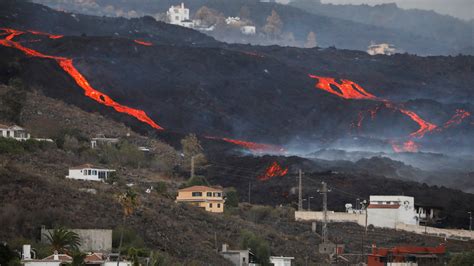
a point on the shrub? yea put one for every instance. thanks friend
(463, 259)
(232, 198)
(197, 180)
(260, 247)
(10, 146)
(161, 187)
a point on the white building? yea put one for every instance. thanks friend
(179, 15)
(232, 20)
(248, 30)
(89, 172)
(381, 48)
(237, 257)
(387, 211)
(102, 140)
(281, 261)
(14, 132)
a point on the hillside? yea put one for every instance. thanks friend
(34, 192)
(343, 26)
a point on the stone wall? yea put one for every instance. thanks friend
(97, 240)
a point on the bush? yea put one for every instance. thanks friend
(232, 198)
(463, 259)
(161, 187)
(260, 247)
(130, 239)
(10, 146)
(197, 180)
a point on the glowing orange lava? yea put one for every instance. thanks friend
(67, 65)
(143, 43)
(457, 118)
(274, 170)
(253, 146)
(348, 89)
(407, 146)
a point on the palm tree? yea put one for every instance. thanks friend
(78, 258)
(63, 240)
(129, 201)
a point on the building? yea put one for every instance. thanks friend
(248, 30)
(179, 15)
(382, 48)
(387, 211)
(233, 20)
(14, 132)
(102, 140)
(237, 257)
(281, 261)
(209, 198)
(407, 256)
(92, 240)
(89, 172)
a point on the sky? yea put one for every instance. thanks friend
(463, 9)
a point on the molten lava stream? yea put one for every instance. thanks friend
(143, 43)
(457, 118)
(67, 65)
(252, 146)
(274, 170)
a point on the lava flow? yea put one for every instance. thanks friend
(252, 146)
(348, 89)
(274, 170)
(457, 118)
(67, 65)
(143, 43)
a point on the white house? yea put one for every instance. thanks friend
(237, 257)
(102, 140)
(281, 261)
(382, 48)
(89, 172)
(14, 132)
(232, 20)
(248, 30)
(387, 211)
(179, 15)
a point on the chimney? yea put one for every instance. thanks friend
(27, 252)
(182, 5)
(56, 256)
(224, 247)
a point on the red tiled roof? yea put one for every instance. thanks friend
(94, 257)
(383, 206)
(200, 189)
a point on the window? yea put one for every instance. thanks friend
(84, 172)
(197, 194)
(94, 172)
(210, 205)
(89, 172)
(218, 205)
(209, 194)
(217, 194)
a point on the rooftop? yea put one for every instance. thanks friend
(88, 166)
(201, 189)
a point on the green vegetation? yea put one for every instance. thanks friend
(8, 256)
(232, 198)
(197, 180)
(63, 240)
(12, 146)
(159, 259)
(129, 201)
(12, 101)
(130, 239)
(78, 258)
(192, 149)
(463, 259)
(257, 245)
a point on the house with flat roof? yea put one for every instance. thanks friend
(209, 198)
(281, 261)
(387, 211)
(14, 132)
(89, 172)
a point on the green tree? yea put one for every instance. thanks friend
(63, 240)
(197, 180)
(260, 247)
(78, 258)
(129, 201)
(159, 259)
(463, 259)
(232, 198)
(7, 255)
(192, 149)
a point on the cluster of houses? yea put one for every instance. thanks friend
(180, 15)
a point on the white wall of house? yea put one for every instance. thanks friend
(178, 14)
(248, 30)
(281, 261)
(90, 174)
(42, 263)
(14, 132)
(338, 217)
(387, 211)
(114, 263)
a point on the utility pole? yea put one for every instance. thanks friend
(324, 190)
(192, 167)
(470, 221)
(300, 190)
(249, 191)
